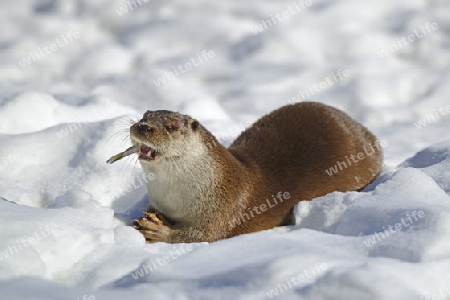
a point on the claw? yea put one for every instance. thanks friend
(154, 227)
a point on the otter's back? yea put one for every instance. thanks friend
(300, 142)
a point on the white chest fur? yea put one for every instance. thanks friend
(180, 189)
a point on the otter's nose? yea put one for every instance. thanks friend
(144, 128)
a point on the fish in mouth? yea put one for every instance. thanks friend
(145, 153)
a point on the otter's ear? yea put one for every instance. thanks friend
(194, 124)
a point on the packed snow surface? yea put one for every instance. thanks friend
(76, 73)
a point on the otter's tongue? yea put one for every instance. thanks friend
(146, 152)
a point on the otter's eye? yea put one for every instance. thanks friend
(170, 128)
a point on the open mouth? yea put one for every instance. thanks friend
(147, 153)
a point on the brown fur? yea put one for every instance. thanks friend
(285, 151)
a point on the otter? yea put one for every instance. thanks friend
(204, 192)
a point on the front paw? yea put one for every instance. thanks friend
(154, 228)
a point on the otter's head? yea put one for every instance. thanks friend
(164, 135)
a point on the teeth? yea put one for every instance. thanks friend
(145, 149)
(146, 152)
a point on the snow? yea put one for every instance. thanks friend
(64, 210)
